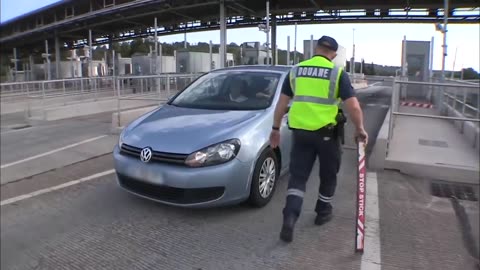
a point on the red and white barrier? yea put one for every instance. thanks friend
(416, 104)
(361, 191)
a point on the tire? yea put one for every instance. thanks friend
(263, 166)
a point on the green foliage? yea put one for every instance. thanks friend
(142, 46)
(470, 74)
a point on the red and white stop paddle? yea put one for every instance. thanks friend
(361, 191)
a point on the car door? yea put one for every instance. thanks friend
(285, 137)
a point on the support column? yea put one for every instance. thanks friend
(295, 46)
(311, 47)
(57, 57)
(105, 58)
(274, 40)
(404, 57)
(267, 31)
(185, 39)
(223, 35)
(90, 52)
(403, 88)
(113, 63)
(210, 54)
(430, 67)
(111, 57)
(47, 59)
(444, 46)
(31, 63)
(155, 58)
(288, 50)
(15, 64)
(160, 53)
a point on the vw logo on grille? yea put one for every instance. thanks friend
(146, 154)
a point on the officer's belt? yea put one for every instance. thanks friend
(328, 130)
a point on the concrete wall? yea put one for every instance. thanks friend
(66, 70)
(123, 66)
(380, 149)
(253, 53)
(198, 62)
(143, 64)
(306, 48)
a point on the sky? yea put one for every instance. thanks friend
(377, 43)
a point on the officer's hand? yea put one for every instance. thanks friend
(274, 138)
(361, 135)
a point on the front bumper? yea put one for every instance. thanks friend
(179, 185)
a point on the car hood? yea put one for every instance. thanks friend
(185, 130)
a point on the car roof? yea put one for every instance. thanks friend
(281, 68)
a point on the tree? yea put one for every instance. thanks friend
(470, 74)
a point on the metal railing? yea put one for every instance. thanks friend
(441, 98)
(135, 92)
(55, 88)
(35, 96)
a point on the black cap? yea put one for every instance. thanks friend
(328, 42)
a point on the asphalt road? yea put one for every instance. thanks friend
(41, 146)
(96, 225)
(17, 144)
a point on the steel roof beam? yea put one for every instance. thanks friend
(315, 4)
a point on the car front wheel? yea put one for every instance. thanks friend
(264, 179)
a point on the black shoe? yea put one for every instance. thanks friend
(287, 229)
(323, 218)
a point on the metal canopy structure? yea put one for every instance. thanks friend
(69, 21)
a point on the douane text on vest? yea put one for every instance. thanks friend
(314, 72)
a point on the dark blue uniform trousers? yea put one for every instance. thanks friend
(307, 146)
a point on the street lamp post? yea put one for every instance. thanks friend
(443, 30)
(266, 29)
(454, 60)
(352, 62)
(295, 46)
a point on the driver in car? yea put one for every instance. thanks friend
(236, 90)
(263, 88)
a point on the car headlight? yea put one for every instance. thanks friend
(120, 138)
(215, 154)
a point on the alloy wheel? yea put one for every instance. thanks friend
(267, 177)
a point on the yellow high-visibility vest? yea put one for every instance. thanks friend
(314, 84)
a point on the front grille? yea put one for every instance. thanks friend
(171, 194)
(156, 156)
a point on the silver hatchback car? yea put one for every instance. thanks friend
(209, 144)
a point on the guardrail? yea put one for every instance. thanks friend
(462, 100)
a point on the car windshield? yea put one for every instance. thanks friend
(232, 90)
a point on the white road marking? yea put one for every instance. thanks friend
(371, 258)
(50, 189)
(53, 151)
